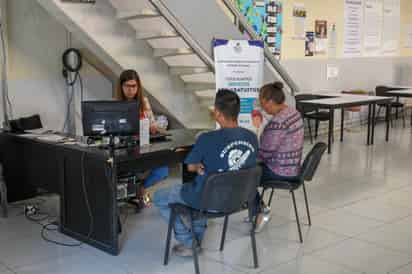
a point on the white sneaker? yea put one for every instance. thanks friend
(262, 219)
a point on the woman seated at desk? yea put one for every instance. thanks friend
(130, 88)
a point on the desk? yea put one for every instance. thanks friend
(342, 101)
(73, 171)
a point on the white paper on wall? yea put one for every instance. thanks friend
(391, 27)
(352, 28)
(372, 39)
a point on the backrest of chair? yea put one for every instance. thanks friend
(312, 160)
(226, 192)
(302, 97)
(381, 90)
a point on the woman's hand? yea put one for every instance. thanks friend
(153, 129)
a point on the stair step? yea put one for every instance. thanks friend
(187, 70)
(167, 43)
(209, 94)
(159, 53)
(150, 36)
(141, 14)
(191, 60)
(199, 78)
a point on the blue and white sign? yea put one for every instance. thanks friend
(239, 67)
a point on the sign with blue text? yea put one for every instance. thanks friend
(239, 67)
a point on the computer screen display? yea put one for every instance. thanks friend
(105, 118)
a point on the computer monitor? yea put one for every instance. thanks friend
(110, 118)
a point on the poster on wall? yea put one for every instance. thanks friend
(321, 36)
(333, 41)
(239, 67)
(352, 28)
(391, 27)
(310, 43)
(372, 38)
(266, 18)
(408, 36)
(299, 15)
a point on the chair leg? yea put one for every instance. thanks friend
(253, 239)
(222, 241)
(377, 116)
(310, 131)
(3, 199)
(271, 197)
(307, 204)
(317, 129)
(169, 236)
(403, 117)
(194, 245)
(297, 216)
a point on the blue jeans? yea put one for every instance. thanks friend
(162, 198)
(155, 176)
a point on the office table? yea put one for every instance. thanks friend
(342, 101)
(75, 172)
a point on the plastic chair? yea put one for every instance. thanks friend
(223, 194)
(356, 109)
(307, 172)
(311, 113)
(382, 91)
(3, 194)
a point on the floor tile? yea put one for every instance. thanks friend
(362, 256)
(72, 264)
(407, 269)
(314, 238)
(345, 223)
(375, 209)
(396, 236)
(309, 265)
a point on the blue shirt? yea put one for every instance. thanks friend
(221, 150)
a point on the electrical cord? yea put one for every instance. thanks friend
(52, 226)
(7, 105)
(71, 74)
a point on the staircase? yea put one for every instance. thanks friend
(145, 35)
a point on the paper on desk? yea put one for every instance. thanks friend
(52, 138)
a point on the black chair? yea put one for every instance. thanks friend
(223, 194)
(382, 91)
(307, 172)
(3, 194)
(311, 113)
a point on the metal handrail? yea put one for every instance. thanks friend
(240, 19)
(184, 34)
(204, 56)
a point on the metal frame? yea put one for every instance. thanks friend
(240, 20)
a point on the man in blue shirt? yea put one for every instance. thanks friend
(225, 149)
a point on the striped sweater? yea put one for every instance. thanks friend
(281, 143)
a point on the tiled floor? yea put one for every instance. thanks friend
(361, 212)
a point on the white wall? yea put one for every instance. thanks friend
(36, 43)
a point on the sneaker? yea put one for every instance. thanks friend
(262, 220)
(183, 251)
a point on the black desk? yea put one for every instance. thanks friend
(345, 101)
(30, 164)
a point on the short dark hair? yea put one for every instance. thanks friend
(273, 92)
(228, 103)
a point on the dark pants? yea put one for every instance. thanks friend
(267, 175)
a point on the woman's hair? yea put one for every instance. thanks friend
(273, 92)
(129, 75)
